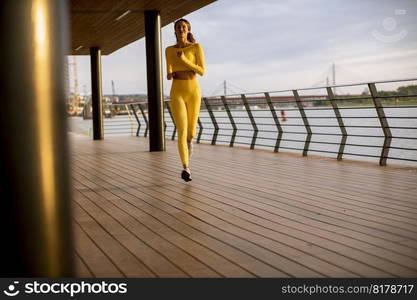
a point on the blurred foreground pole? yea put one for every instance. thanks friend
(35, 208)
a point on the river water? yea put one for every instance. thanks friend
(404, 117)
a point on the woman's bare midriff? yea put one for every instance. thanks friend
(183, 75)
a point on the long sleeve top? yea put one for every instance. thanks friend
(192, 59)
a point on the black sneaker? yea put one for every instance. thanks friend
(186, 176)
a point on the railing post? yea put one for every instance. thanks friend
(145, 118)
(172, 119)
(229, 114)
(252, 120)
(137, 119)
(276, 120)
(305, 121)
(213, 120)
(200, 131)
(165, 122)
(384, 124)
(340, 122)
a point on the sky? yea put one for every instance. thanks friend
(270, 45)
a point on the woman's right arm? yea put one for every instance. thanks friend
(169, 64)
(199, 66)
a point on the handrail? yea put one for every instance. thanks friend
(225, 116)
(332, 86)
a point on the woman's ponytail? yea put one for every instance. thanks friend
(190, 37)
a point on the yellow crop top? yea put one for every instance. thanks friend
(192, 59)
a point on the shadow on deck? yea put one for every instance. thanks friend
(247, 213)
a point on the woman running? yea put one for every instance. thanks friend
(184, 60)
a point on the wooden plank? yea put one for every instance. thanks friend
(325, 168)
(303, 212)
(317, 180)
(217, 234)
(355, 254)
(159, 265)
(410, 243)
(202, 245)
(287, 220)
(321, 200)
(309, 238)
(125, 261)
(275, 157)
(190, 265)
(97, 261)
(264, 187)
(210, 258)
(316, 177)
(81, 269)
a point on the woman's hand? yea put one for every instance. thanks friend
(180, 54)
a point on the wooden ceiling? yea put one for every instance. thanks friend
(94, 22)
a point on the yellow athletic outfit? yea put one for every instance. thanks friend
(185, 93)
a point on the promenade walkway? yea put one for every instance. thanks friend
(247, 213)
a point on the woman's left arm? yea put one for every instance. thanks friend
(168, 59)
(199, 66)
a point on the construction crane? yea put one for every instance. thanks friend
(75, 74)
(114, 93)
(73, 104)
(115, 108)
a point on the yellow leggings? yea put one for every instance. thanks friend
(185, 105)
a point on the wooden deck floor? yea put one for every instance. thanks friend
(247, 213)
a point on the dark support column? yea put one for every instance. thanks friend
(35, 200)
(154, 77)
(96, 93)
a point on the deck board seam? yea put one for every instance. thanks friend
(99, 248)
(135, 236)
(223, 242)
(115, 239)
(166, 226)
(343, 227)
(349, 258)
(339, 217)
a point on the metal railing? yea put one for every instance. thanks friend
(381, 125)
(125, 118)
